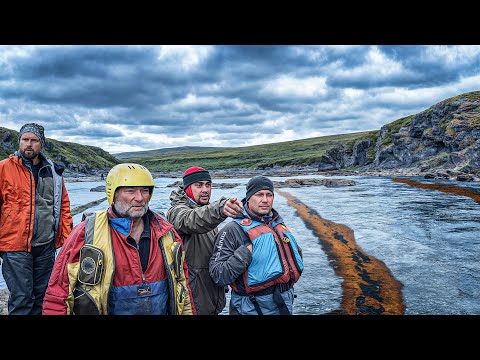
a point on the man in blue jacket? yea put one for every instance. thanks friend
(258, 256)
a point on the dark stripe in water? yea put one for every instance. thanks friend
(450, 189)
(369, 287)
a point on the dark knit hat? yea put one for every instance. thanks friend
(194, 174)
(35, 129)
(258, 183)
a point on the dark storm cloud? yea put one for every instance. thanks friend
(96, 132)
(143, 97)
(421, 68)
(94, 76)
(437, 65)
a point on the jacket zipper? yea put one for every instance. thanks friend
(137, 246)
(31, 205)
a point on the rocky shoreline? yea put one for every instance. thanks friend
(3, 301)
(293, 171)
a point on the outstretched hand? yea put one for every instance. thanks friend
(232, 207)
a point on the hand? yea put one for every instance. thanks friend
(232, 207)
(250, 247)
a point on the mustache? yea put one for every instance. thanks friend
(141, 204)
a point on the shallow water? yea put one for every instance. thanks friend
(428, 239)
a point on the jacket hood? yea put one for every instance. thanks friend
(59, 168)
(180, 197)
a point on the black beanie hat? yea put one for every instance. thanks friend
(194, 174)
(258, 183)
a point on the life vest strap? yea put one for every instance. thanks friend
(277, 291)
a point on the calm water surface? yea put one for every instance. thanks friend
(428, 239)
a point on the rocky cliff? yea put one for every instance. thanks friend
(443, 138)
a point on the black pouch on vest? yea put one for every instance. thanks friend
(83, 303)
(177, 260)
(91, 265)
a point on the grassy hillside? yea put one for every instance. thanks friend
(72, 155)
(91, 156)
(298, 152)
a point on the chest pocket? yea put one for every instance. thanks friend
(91, 265)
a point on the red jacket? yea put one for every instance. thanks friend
(127, 265)
(17, 207)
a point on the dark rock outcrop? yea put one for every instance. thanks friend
(295, 183)
(444, 137)
(214, 184)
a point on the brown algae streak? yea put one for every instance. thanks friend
(368, 286)
(450, 189)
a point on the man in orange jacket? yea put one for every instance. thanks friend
(35, 220)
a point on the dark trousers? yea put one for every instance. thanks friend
(26, 275)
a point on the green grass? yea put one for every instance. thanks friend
(92, 156)
(394, 127)
(472, 96)
(67, 152)
(297, 152)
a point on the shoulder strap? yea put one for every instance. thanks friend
(89, 226)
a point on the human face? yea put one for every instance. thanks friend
(202, 190)
(30, 145)
(131, 201)
(261, 202)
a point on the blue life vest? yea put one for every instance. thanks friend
(276, 257)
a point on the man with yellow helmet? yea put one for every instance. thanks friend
(124, 260)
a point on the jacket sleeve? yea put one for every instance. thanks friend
(198, 220)
(189, 305)
(64, 270)
(66, 221)
(231, 256)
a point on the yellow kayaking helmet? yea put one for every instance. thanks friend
(127, 174)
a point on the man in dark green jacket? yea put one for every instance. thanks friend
(196, 220)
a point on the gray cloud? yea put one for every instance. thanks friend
(127, 98)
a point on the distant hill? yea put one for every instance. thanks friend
(443, 138)
(75, 157)
(296, 153)
(163, 151)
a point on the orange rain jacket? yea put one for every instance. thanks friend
(17, 205)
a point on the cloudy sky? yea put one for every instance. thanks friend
(132, 98)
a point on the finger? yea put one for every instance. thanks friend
(233, 209)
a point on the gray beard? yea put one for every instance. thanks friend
(124, 213)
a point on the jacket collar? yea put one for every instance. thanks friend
(28, 163)
(123, 225)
